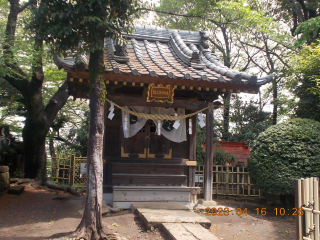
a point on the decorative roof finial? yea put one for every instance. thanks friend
(121, 54)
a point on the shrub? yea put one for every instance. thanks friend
(283, 153)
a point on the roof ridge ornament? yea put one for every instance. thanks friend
(120, 54)
(204, 41)
(196, 61)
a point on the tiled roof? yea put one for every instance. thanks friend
(164, 53)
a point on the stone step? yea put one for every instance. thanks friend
(186, 231)
(148, 179)
(124, 196)
(155, 214)
(16, 189)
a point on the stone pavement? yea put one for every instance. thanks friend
(175, 221)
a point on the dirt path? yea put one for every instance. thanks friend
(38, 214)
(245, 223)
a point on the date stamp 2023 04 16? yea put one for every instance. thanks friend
(259, 211)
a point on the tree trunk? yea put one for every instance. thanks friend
(91, 226)
(275, 101)
(226, 116)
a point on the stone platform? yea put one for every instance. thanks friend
(186, 231)
(175, 221)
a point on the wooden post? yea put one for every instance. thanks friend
(57, 167)
(192, 151)
(208, 177)
(71, 170)
(316, 207)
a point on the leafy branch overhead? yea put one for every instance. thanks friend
(72, 25)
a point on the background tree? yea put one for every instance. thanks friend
(86, 24)
(305, 81)
(228, 22)
(248, 120)
(21, 65)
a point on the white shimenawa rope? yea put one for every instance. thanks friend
(160, 116)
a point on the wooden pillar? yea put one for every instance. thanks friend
(192, 152)
(71, 169)
(208, 175)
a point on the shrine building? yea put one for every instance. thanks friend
(157, 83)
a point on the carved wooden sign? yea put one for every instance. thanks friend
(160, 93)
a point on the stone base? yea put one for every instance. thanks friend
(124, 196)
(183, 231)
(16, 190)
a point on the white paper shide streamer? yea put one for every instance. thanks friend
(159, 127)
(111, 113)
(190, 126)
(201, 122)
(125, 123)
(176, 124)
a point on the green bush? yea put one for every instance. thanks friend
(283, 153)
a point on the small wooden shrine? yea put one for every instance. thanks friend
(156, 84)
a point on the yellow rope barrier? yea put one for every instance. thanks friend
(159, 116)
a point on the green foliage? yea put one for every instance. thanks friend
(77, 135)
(308, 31)
(248, 120)
(221, 157)
(78, 25)
(285, 152)
(305, 80)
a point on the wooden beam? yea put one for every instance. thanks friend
(208, 175)
(139, 101)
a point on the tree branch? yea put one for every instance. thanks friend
(218, 23)
(56, 102)
(24, 6)
(263, 50)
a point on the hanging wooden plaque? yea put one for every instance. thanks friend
(160, 93)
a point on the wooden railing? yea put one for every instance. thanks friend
(66, 170)
(228, 181)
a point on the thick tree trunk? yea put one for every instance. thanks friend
(34, 135)
(91, 226)
(39, 117)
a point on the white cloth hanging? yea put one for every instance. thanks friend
(132, 129)
(175, 135)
